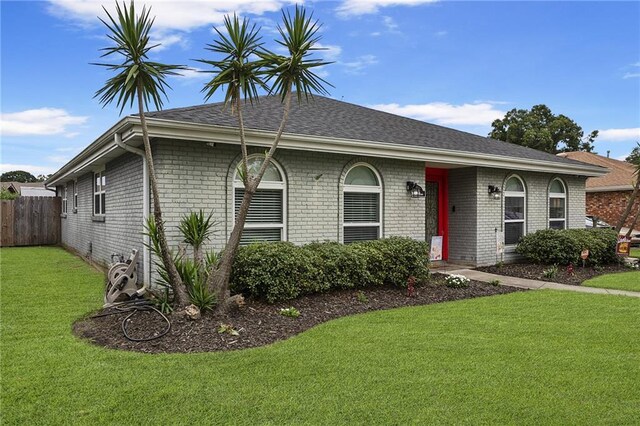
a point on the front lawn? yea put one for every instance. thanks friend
(623, 281)
(635, 252)
(537, 357)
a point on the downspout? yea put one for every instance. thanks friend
(146, 275)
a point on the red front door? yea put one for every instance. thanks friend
(436, 207)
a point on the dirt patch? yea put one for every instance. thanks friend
(260, 324)
(563, 276)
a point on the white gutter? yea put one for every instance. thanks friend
(610, 188)
(170, 129)
(146, 276)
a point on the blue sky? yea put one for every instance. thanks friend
(458, 64)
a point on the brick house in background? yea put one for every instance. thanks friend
(607, 196)
(342, 172)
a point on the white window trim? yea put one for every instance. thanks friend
(368, 189)
(64, 198)
(75, 196)
(102, 191)
(515, 194)
(562, 196)
(264, 185)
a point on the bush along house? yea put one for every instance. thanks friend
(342, 172)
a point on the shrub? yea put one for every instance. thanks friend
(550, 246)
(281, 271)
(271, 271)
(456, 281)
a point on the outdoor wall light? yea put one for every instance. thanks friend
(415, 190)
(494, 192)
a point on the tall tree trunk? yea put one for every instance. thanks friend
(627, 210)
(219, 280)
(633, 223)
(181, 297)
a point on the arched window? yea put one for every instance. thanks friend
(514, 210)
(266, 220)
(557, 205)
(362, 204)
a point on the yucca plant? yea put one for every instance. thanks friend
(138, 79)
(196, 229)
(246, 67)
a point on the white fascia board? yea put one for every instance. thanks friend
(104, 144)
(229, 135)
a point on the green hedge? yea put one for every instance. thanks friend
(564, 246)
(282, 271)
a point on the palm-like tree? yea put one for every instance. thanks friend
(635, 194)
(246, 67)
(139, 79)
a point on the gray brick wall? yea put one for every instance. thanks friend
(463, 210)
(537, 207)
(121, 229)
(195, 176)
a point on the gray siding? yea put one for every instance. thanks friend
(121, 229)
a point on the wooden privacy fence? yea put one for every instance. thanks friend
(30, 221)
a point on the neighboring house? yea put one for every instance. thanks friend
(34, 189)
(607, 195)
(340, 174)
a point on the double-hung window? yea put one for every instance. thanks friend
(99, 191)
(362, 205)
(514, 210)
(64, 198)
(266, 220)
(557, 205)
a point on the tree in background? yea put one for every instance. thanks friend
(244, 69)
(634, 156)
(18, 176)
(540, 129)
(142, 80)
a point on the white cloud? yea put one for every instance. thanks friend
(616, 135)
(476, 114)
(33, 169)
(390, 24)
(360, 63)
(42, 121)
(441, 33)
(58, 159)
(330, 52)
(631, 75)
(192, 74)
(170, 15)
(361, 7)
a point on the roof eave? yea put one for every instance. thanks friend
(93, 151)
(171, 129)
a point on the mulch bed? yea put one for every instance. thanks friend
(260, 324)
(535, 272)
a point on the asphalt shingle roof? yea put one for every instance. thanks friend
(620, 173)
(327, 117)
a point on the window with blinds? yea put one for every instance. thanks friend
(266, 218)
(361, 205)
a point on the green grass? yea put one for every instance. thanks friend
(635, 252)
(540, 357)
(620, 281)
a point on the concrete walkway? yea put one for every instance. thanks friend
(534, 284)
